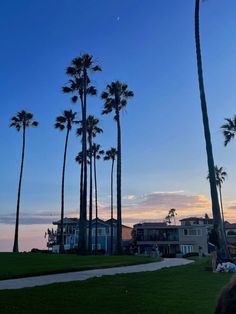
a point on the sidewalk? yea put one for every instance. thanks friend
(83, 275)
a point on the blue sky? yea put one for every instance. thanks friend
(147, 44)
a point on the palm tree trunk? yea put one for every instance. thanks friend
(119, 217)
(81, 194)
(90, 196)
(210, 160)
(112, 168)
(83, 208)
(84, 245)
(221, 206)
(96, 204)
(15, 245)
(61, 248)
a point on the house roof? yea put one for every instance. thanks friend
(196, 219)
(152, 224)
(72, 221)
(67, 221)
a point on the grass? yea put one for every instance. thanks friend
(186, 289)
(16, 265)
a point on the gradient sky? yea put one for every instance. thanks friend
(147, 44)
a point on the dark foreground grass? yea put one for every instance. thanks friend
(16, 265)
(182, 290)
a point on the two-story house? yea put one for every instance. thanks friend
(190, 236)
(71, 234)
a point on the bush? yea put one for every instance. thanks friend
(191, 254)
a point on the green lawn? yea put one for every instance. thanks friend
(15, 265)
(186, 289)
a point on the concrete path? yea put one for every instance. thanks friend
(83, 275)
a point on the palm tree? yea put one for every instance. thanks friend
(229, 129)
(80, 86)
(111, 155)
(210, 160)
(65, 121)
(22, 120)
(92, 131)
(97, 154)
(115, 99)
(221, 175)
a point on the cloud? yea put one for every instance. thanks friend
(129, 197)
(155, 206)
(35, 218)
(149, 207)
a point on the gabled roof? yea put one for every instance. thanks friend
(67, 221)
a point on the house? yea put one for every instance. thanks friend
(188, 237)
(71, 234)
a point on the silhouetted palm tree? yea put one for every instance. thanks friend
(221, 175)
(115, 99)
(80, 86)
(111, 155)
(92, 131)
(229, 129)
(214, 196)
(97, 154)
(21, 121)
(64, 121)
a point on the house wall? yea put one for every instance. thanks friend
(194, 240)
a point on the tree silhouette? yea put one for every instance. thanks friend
(21, 121)
(229, 129)
(210, 160)
(97, 154)
(65, 121)
(111, 155)
(80, 86)
(92, 130)
(115, 99)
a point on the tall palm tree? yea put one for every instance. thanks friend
(65, 121)
(111, 155)
(229, 129)
(210, 160)
(92, 130)
(21, 121)
(115, 99)
(97, 154)
(221, 175)
(81, 87)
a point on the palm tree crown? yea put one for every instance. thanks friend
(110, 154)
(78, 70)
(220, 174)
(66, 120)
(116, 95)
(23, 119)
(229, 129)
(97, 151)
(92, 127)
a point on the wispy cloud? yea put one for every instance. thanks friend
(35, 218)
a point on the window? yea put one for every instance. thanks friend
(192, 232)
(186, 249)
